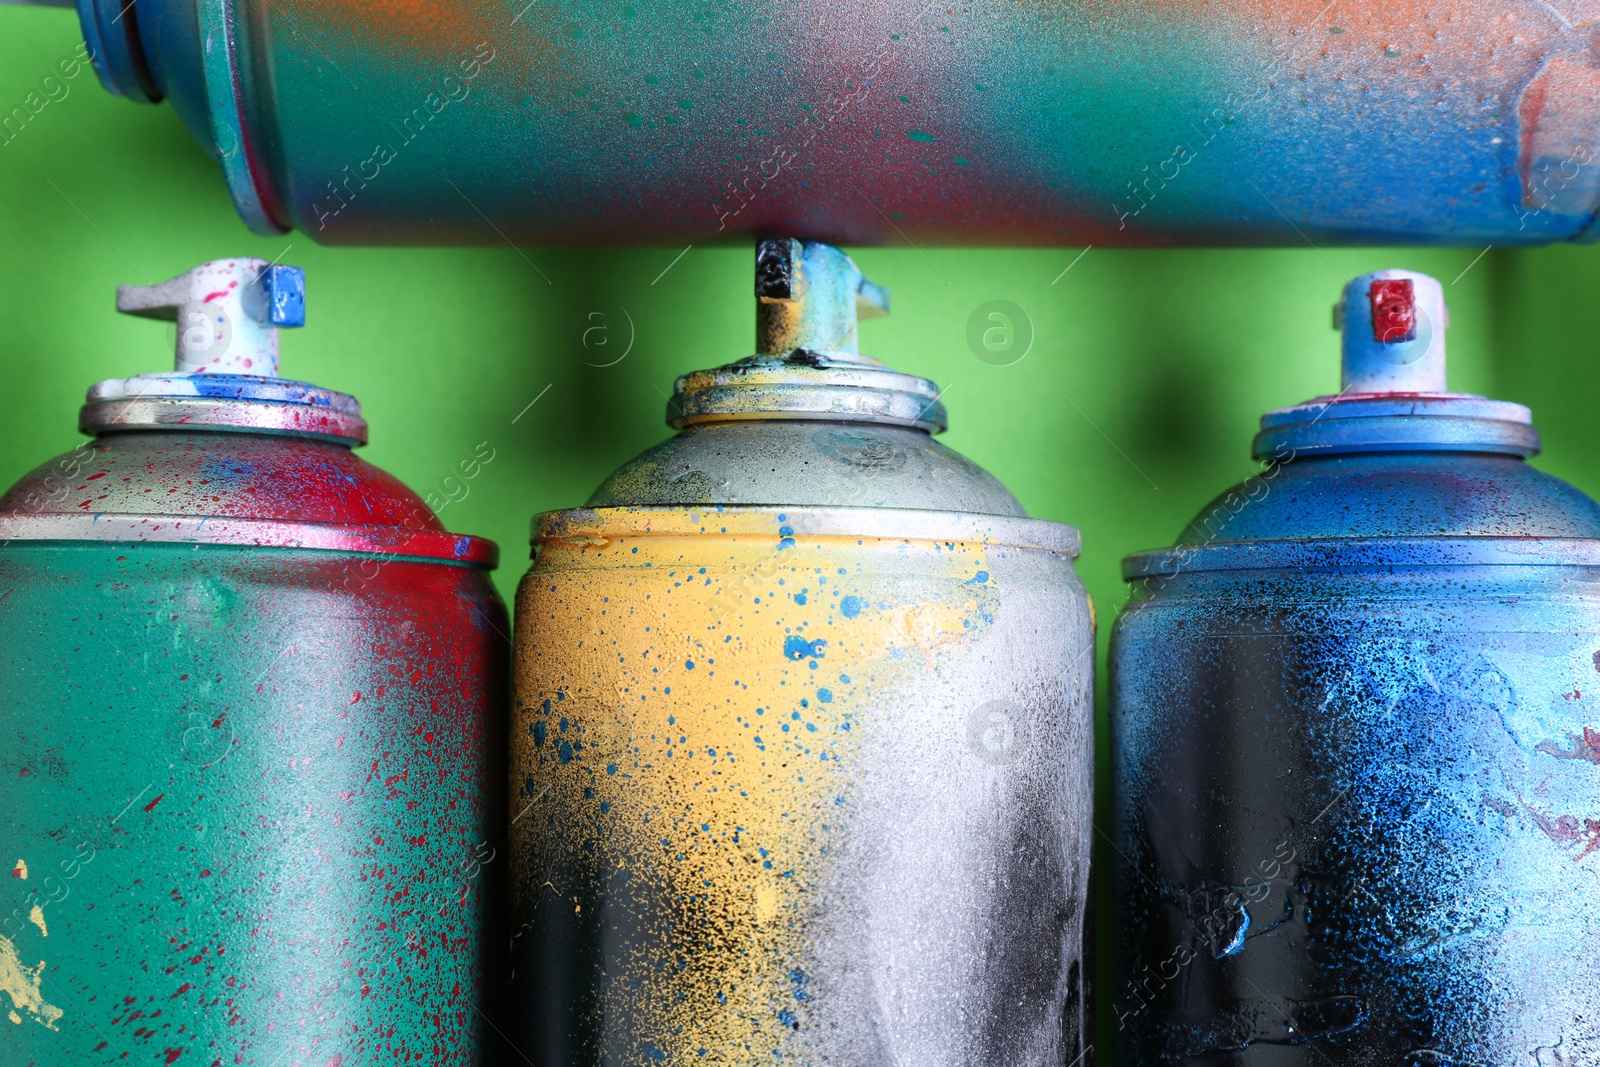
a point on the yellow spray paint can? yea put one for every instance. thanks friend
(806, 781)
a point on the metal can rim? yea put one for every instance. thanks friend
(224, 415)
(1352, 553)
(599, 525)
(763, 387)
(432, 545)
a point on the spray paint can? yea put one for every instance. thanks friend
(1356, 737)
(801, 750)
(1207, 122)
(252, 688)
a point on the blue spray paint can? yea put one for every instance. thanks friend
(1356, 737)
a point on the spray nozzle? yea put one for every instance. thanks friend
(228, 313)
(1393, 323)
(809, 296)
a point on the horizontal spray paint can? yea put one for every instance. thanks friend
(1356, 737)
(1207, 122)
(801, 747)
(247, 804)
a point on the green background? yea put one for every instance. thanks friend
(1135, 405)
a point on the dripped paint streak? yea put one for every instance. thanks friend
(21, 984)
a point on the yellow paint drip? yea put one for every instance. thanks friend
(21, 984)
(691, 708)
(36, 917)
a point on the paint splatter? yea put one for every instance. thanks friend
(21, 984)
(1585, 746)
(714, 798)
(797, 647)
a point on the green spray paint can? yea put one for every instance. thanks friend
(247, 809)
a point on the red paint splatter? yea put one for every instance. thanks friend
(219, 294)
(151, 807)
(1585, 747)
(1592, 827)
(1563, 829)
(173, 1054)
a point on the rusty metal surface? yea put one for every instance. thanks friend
(1203, 122)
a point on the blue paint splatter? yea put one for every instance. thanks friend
(797, 647)
(800, 980)
(851, 606)
(1237, 943)
(825, 696)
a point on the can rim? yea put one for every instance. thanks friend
(579, 526)
(433, 545)
(1354, 553)
(765, 387)
(224, 415)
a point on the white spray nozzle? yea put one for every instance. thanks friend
(1394, 323)
(228, 314)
